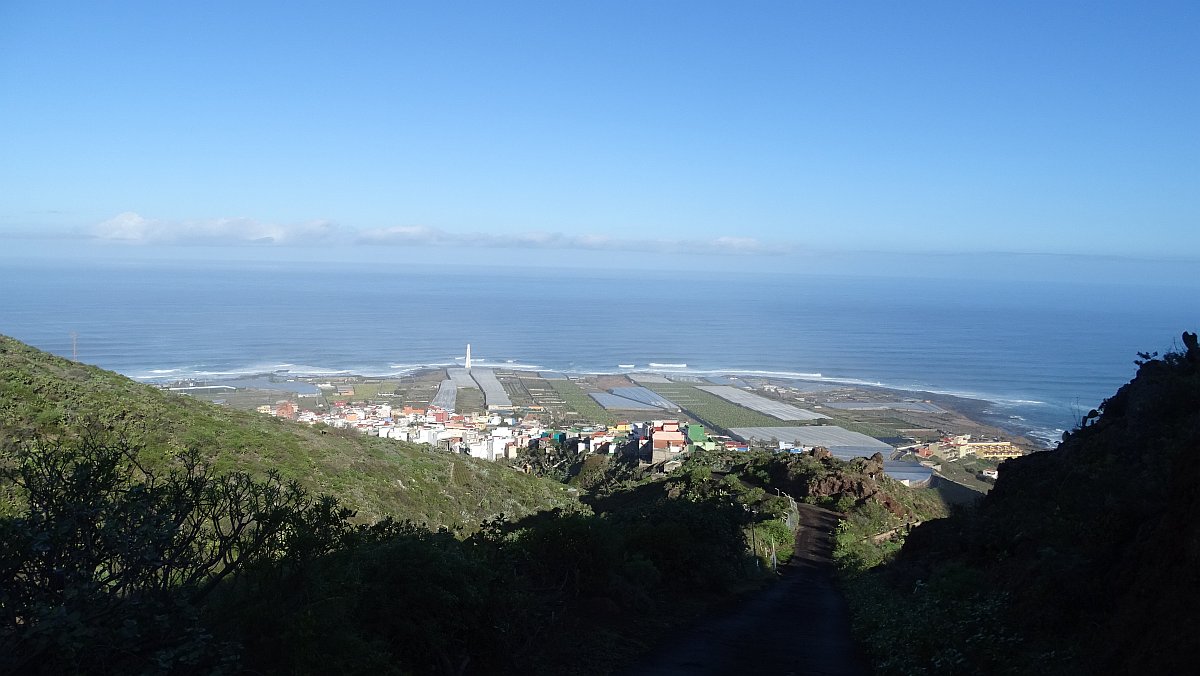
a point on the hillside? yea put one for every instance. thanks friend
(109, 568)
(1081, 560)
(45, 396)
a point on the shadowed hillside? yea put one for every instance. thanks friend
(45, 396)
(1081, 560)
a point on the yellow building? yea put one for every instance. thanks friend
(991, 450)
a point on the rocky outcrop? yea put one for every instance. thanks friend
(858, 487)
(818, 476)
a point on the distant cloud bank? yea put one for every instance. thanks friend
(133, 228)
(425, 236)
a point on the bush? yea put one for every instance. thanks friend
(106, 564)
(774, 534)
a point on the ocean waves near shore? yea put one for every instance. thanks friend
(1033, 351)
(1035, 419)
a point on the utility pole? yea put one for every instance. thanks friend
(74, 346)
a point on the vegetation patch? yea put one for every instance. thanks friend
(1080, 560)
(110, 567)
(713, 410)
(48, 398)
(575, 399)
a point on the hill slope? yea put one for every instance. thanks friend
(47, 396)
(1081, 560)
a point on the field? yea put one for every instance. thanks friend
(516, 384)
(567, 402)
(417, 389)
(469, 400)
(757, 402)
(882, 429)
(711, 409)
(539, 393)
(247, 400)
(371, 390)
(576, 400)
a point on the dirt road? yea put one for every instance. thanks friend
(798, 626)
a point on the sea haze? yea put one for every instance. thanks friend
(1042, 353)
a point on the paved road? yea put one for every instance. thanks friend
(799, 626)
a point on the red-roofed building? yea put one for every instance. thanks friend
(666, 440)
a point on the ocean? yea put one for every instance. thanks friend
(1040, 353)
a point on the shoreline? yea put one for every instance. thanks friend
(1062, 411)
(979, 411)
(976, 415)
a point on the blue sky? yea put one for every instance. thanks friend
(774, 134)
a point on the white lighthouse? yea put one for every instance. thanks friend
(468, 356)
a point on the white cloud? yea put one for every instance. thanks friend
(132, 227)
(405, 234)
(746, 244)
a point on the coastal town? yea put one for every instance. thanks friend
(499, 414)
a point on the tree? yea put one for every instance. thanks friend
(106, 563)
